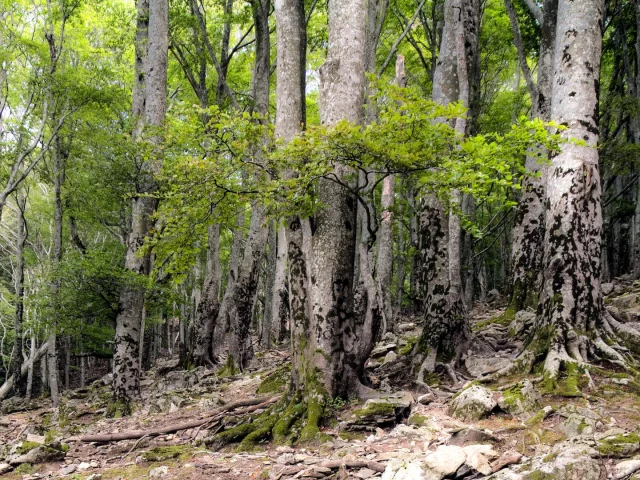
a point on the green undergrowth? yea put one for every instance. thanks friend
(571, 381)
(169, 452)
(504, 319)
(620, 445)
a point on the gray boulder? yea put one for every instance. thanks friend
(472, 403)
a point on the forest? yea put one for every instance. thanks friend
(320, 239)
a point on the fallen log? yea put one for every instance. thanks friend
(252, 405)
(24, 368)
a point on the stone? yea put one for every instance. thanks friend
(625, 469)
(471, 435)
(472, 403)
(607, 288)
(480, 366)
(505, 475)
(4, 468)
(479, 456)
(522, 323)
(390, 357)
(35, 438)
(567, 461)
(445, 461)
(625, 302)
(84, 466)
(42, 454)
(159, 472)
(389, 337)
(510, 457)
(286, 459)
(521, 400)
(578, 421)
(365, 473)
(94, 476)
(68, 470)
(494, 297)
(427, 398)
(398, 469)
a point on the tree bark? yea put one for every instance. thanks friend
(446, 328)
(126, 368)
(528, 231)
(247, 282)
(209, 305)
(571, 306)
(17, 357)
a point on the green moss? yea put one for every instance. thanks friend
(537, 419)
(229, 369)
(276, 381)
(504, 319)
(261, 431)
(408, 348)
(618, 445)
(417, 420)
(24, 469)
(375, 409)
(549, 458)
(26, 447)
(570, 382)
(294, 411)
(513, 396)
(160, 454)
(119, 408)
(538, 475)
(351, 436)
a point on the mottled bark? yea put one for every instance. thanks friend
(528, 231)
(17, 356)
(570, 312)
(280, 293)
(247, 282)
(446, 328)
(269, 277)
(209, 304)
(126, 368)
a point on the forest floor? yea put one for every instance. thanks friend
(506, 429)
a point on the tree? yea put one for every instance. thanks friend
(126, 370)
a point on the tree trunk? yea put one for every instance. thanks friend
(246, 285)
(446, 328)
(17, 358)
(528, 231)
(571, 307)
(126, 369)
(209, 305)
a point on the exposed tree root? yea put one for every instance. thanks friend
(293, 418)
(250, 405)
(331, 464)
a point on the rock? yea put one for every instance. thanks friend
(469, 436)
(389, 337)
(95, 476)
(510, 457)
(427, 398)
(522, 323)
(398, 469)
(625, 469)
(405, 327)
(390, 357)
(505, 475)
(522, 399)
(41, 454)
(578, 421)
(385, 409)
(445, 461)
(286, 459)
(35, 438)
(68, 470)
(473, 403)
(625, 301)
(84, 466)
(618, 445)
(480, 366)
(566, 461)
(4, 468)
(479, 456)
(365, 473)
(177, 380)
(494, 297)
(607, 288)
(159, 472)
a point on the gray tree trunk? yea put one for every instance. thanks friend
(269, 287)
(17, 357)
(571, 307)
(209, 305)
(126, 368)
(446, 328)
(528, 231)
(247, 282)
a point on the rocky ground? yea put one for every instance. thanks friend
(505, 429)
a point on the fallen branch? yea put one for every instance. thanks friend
(251, 404)
(24, 368)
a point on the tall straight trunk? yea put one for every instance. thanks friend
(571, 317)
(17, 358)
(528, 231)
(126, 368)
(635, 126)
(269, 287)
(446, 328)
(334, 339)
(280, 296)
(384, 270)
(209, 305)
(247, 282)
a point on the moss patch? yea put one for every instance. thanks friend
(620, 445)
(160, 454)
(276, 381)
